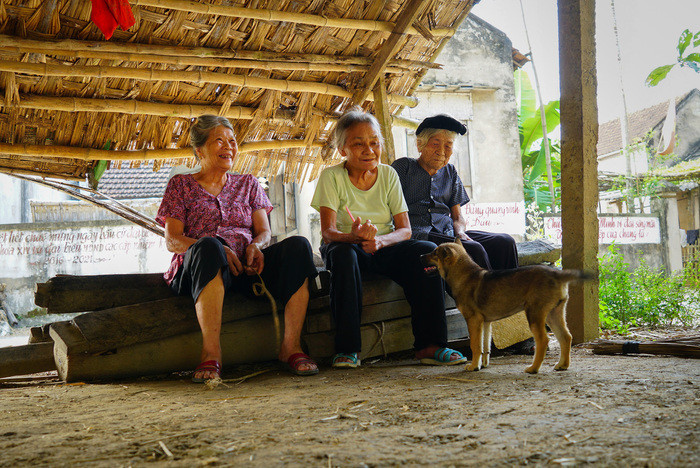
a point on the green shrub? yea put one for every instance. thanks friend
(644, 297)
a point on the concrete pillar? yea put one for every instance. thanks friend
(671, 232)
(579, 165)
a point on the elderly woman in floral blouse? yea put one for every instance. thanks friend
(217, 228)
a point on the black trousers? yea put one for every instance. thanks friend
(401, 263)
(288, 264)
(490, 250)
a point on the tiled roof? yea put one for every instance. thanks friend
(139, 182)
(639, 123)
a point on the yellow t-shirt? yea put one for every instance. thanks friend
(379, 204)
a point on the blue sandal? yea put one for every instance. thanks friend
(442, 358)
(354, 360)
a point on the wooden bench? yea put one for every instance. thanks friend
(133, 325)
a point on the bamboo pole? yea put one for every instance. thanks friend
(134, 107)
(283, 16)
(184, 111)
(440, 48)
(10, 170)
(91, 154)
(107, 50)
(40, 47)
(397, 38)
(148, 74)
(381, 111)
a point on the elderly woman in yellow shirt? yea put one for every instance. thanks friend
(365, 228)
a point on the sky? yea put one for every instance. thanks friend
(648, 33)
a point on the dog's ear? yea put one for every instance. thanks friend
(458, 241)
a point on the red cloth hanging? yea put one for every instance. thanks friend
(108, 14)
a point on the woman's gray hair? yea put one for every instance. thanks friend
(199, 133)
(354, 116)
(428, 133)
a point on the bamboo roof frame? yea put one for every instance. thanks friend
(281, 71)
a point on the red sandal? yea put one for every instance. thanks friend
(298, 359)
(207, 366)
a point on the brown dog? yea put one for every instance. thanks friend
(484, 296)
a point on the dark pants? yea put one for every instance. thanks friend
(490, 250)
(288, 264)
(401, 263)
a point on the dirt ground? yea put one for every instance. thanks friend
(605, 411)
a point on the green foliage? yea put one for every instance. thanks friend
(525, 95)
(532, 150)
(646, 296)
(692, 60)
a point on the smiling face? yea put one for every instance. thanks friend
(437, 151)
(217, 153)
(362, 148)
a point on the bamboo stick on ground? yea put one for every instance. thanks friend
(653, 347)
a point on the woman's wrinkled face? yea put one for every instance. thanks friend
(437, 151)
(362, 148)
(218, 151)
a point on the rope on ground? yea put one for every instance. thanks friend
(259, 289)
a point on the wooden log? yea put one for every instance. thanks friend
(40, 334)
(109, 329)
(389, 336)
(322, 322)
(244, 341)
(670, 348)
(101, 331)
(27, 359)
(69, 294)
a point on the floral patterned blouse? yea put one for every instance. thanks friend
(228, 216)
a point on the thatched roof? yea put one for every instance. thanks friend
(280, 70)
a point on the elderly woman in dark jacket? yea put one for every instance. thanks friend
(435, 196)
(217, 228)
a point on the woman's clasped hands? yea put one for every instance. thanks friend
(365, 233)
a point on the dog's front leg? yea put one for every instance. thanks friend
(475, 325)
(486, 345)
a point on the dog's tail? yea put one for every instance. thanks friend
(576, 275)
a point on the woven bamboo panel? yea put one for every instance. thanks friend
(278, 69)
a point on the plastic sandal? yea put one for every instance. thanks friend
(354, 360)
(442, 358)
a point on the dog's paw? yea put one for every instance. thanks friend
(472, 367)
(532, 370)
(485, 360)
(560, 367)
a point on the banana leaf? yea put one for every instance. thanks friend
(525, 94)
(532, 127)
